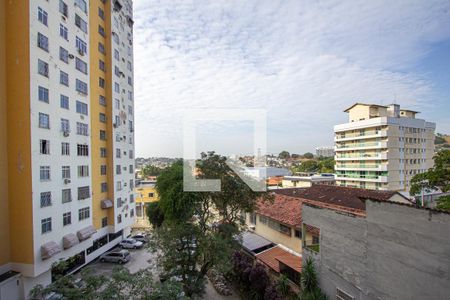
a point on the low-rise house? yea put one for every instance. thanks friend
(378, 249)
(145, 193)
(307, 180)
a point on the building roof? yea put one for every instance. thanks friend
(254, 243)
(365, 104)
(338, 195)
(286, 210)
(273, 256)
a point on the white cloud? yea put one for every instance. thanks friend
(303, 61)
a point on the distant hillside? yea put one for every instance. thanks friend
(442, 141)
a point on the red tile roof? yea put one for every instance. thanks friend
(284, 209)
(337, 195)
(273, 256)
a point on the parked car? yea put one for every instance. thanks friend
(140, 237)
(120, 257)
(130, 244)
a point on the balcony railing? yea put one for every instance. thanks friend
(362, 166)
(358, 145)
(360, 134)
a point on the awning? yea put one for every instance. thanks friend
(70, 240)
(273, 257)
(255, 243)
(86, 233)
(106, 203)
(49, 249)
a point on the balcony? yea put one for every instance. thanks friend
(365, 178)
(362, 156)
(360, 146)
(363, 167)
(360, 135)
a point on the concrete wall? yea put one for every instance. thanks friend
(396, 252)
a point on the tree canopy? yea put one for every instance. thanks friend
(284, 155)
(308, 155)
(149, 170)
(437, 177)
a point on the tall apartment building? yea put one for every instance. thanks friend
(382, 147)
(325, 151)
(66, 119)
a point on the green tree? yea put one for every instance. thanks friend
(284, 155)
(309, 282)
(149, 170)
(437, 177)
(199, 228)
(309, 166)
(308, 155)
(155, 214)
(326, 165)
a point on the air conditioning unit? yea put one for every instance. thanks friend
(81, 52)
(71, 56)
(66, 133)
(81, 117)
(66, 181)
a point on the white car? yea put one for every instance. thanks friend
(130, 244)
(140, 237)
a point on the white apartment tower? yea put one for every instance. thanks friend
(382, 147)
(66, 110)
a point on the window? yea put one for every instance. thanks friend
(81, 66)
(83, 192)
(103, 170)
(63, 8)
(80, 23)
(102, 117)
(298, 233)
(119, 202)
(66, 195)
(116, 87)
(103, 152)
(130, 95)
(80, 45)
(42, 68)
(102, 100)
(131, 213)
(63, 32)
(82, 5)
(67, 218)
(65, 125)
(116, 54)
(102, 135)
(42, 16)
(118, 154)
(101, 48)
(119, 219)
(81, 87)
(43, 94)
(116, 71)
(130, 110)
(104, 221)
(44, 173)
(116, 38)
(101, 13)
(131, 198)
(82, 108)
(117, 106)
(83, 213)
(130, 81)
(82, 150)
(46, 225)
(65, 149)
(44, 146)
(64, 102)
(263, 220)
(341, 295)
(63, 78)
(44, 121)
(315, 240)
(42, 41)
(101, 82)
(63, 55)
(101, 30)
(65, 172)
(118, 170)
(119, 185)
(101, 65)
(252, 216)
(129, 66)
(83, 171)
(82, 129)
(104, 187)
(130, 167)
(151, 195)
(46, 199)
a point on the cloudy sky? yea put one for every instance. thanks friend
(303, 62)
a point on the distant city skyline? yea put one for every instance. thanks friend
(303, 62)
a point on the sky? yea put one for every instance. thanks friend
(302, 62)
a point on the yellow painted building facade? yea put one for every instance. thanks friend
(67, 132)
(145, 192)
